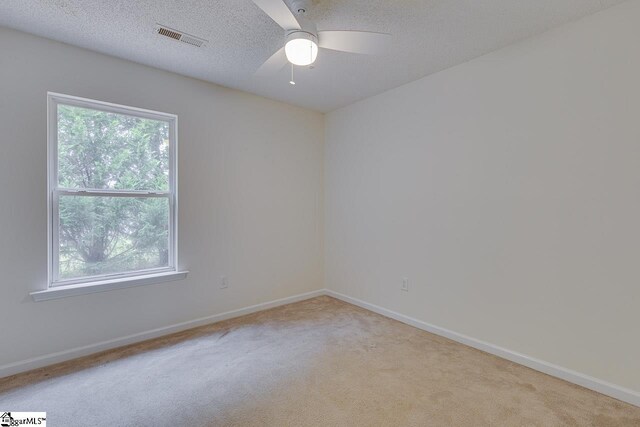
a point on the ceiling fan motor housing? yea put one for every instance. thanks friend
(301, 34)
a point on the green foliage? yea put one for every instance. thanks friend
(100, 150)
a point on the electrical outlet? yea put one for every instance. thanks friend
(405, 284)
(224, 282)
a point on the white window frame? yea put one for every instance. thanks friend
(57, 288)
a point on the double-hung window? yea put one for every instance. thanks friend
(112, 193)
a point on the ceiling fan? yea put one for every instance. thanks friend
(302, 39)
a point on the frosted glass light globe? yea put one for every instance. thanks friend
(301, 51)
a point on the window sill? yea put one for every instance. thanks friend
(106, 285)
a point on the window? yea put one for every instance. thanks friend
(112, 192)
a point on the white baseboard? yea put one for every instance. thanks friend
(613, 390)
(62, 356)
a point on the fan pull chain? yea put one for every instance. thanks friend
(292, 81)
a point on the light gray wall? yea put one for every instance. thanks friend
(507, 190)
(250, 189)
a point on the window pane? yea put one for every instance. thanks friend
(106, 235)
(102, 150)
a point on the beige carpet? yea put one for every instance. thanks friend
(319, 362)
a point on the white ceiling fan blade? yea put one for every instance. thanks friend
(274, 64)
(355, 41)
(279, 12)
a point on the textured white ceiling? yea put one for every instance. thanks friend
(429, 36)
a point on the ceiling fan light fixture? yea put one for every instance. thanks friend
(303, 40)
(301, 48)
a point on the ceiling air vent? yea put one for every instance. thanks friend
(179, 36)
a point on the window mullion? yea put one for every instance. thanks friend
(55, 199)
(112, 193)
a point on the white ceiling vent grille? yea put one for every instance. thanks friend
(179, 36)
